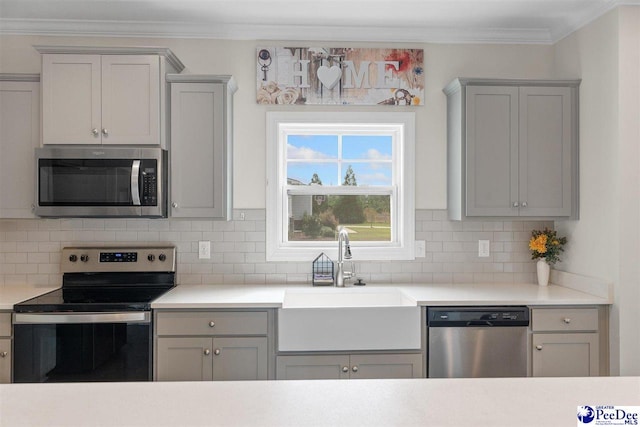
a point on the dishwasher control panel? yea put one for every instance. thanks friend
(477, 316)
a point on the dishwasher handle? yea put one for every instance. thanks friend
(479, 323)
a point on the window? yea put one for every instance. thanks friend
(331, 170)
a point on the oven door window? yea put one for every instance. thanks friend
(85, 182)
(82, 352)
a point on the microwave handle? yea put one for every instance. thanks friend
(135, 179)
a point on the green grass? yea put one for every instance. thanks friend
(369, 232)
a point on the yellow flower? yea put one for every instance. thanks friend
(539, 244)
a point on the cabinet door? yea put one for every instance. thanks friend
(492, 151)
(19, 136)
(565, 355)
(240, 359)
(386, 366)
(71, 99)
(545, 151)
(198, 150)
(184, 359)
(5, 360)
(334, 367)
(130, 99)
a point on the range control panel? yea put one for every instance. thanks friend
(118, 259)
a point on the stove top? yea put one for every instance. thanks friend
(108, 279)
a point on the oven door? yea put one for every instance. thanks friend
(82, 347)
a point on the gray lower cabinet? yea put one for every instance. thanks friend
(206, 359)
(512, 148)
(5, 348)
(567, 342)
(205, 345)
(349, 366)
(201, 146)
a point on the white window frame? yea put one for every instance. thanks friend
(402, 245)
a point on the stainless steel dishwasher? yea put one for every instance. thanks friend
(477, 342)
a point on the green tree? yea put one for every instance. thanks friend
(315, 179)
(349, 209)
(350, 177)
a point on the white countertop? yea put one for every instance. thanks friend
(270, 296)
(13, 294)
(415, 402)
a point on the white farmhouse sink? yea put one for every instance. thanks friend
(339, 319)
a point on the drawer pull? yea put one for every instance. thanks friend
(345, 369)
(354, 369)
(212, 324)
(207, 352)
(539, 347)
(216, 351)
(3, 354)
(566, 320)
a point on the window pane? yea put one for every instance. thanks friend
(372, 174)
(312, 147)
(368, 147)
(316, 218)
(302, 173)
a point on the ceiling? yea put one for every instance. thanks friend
(437, 21)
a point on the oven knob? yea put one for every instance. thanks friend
(84, 258)
(151, 257)
(162, 257)
(73, 258)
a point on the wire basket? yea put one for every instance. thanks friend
(322, 271)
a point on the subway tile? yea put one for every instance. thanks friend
(233, 258)
(462, 278)
(201, 226)
(48, 224)
(27, 246)
(452, 226)
(160, 225)
(424, 215)
(244, 268)
(492, 226)
(442, 236)
(440, 215)
(432, 226)
(223, 226)
(444, 278)
(180, 225)
(472, 226)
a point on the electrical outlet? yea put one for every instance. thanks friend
(484, 248)
(204, 249)
(421, 249)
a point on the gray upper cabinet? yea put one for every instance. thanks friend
(201, 146)
(19, 136)
(110, 96)
(512, 148)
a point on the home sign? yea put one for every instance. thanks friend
(346, 76)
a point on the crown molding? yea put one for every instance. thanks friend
(230, 31)
(272, 32)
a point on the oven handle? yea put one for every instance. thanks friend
(135, 179)
(67, 318)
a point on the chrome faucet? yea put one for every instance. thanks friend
(343, 236)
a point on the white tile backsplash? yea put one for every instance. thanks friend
(30, 250)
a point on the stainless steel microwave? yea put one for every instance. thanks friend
(101, 182)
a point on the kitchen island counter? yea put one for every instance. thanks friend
(424, 402)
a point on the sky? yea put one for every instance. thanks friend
(330, 155)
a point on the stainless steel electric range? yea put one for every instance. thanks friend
(97, 327)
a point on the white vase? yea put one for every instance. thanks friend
(543, 270)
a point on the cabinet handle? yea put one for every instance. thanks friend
(216, 351)
(516, 204)
(566, 320)
(524, 204)
(207, 352)
(174, 205)
(538, 347)
(345, 369)
(354, 368)
(3, 354)
(212, 324)
(105, 132)
(95, 132)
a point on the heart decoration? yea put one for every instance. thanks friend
(329, 76)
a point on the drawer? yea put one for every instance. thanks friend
(5, 324)
(564, 319)
(212, 323)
